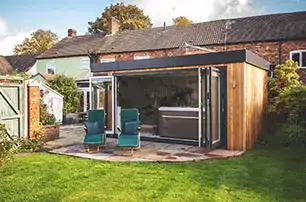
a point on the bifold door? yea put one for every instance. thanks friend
(212, 107)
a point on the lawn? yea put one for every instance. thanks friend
(263, 174)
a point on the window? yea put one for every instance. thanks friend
(300, 57)
(141, 57)
(51, 67)
(85, 63)
(107, 60)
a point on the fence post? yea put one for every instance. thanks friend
(33, 108)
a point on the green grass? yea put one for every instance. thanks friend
(261, 175)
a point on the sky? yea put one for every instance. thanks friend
(19, 18)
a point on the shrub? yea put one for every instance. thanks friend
(286, 76)
(44, 117)
(68, 88)
(291, 105)
(9, 147)
(292, 135)
(6, 145)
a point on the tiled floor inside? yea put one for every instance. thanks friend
(149, 151)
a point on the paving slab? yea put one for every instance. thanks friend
(71, 144)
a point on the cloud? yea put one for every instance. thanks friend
(197, 10)
(9, 40)
(2, 27)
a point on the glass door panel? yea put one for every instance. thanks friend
(215, 107)
(210, 107)
(102, 97)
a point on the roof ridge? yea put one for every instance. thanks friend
(210, 21)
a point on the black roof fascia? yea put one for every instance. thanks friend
(186, 60)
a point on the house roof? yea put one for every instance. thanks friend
(272, 27)
(5, 67)
(74, 46)
(22, 62)
(44, 76)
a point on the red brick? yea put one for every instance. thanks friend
(33, 110)
(274, 52)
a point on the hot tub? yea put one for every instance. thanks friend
(178, 122)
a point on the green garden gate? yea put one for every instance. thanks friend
(13, 106)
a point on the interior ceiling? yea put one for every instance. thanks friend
(163, 74)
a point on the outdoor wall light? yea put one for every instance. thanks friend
(234, 84)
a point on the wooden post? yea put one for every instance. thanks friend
(33, 108)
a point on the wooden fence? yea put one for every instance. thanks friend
(13, 105)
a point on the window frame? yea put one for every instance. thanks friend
(50, 68)
(300, 57)
(85, 62)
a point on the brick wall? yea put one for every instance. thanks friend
(33, 109)
(274, 52)
(271, 51)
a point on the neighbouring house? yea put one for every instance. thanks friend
(23, 63)
(275, 37)
(70, 57)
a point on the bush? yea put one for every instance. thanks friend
(6, 145)
(68, 88)
(286, 76)
(291, 105)
(9, 147)
(44, 117)
(292, 135)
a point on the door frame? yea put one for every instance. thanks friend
(113, 80)
(84, 90)
(204, 75)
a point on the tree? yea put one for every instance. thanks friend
(285, 76)
(68, 88)
(129, 16)
(39, 41)
(181, 20)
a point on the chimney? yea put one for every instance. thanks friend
(72, 32)
(113, 26)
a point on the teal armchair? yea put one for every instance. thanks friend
(95, 128)
(129, 133)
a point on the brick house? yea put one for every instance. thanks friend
(275, 37)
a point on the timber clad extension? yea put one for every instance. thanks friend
(246, 87)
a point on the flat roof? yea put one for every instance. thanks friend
(185, 60)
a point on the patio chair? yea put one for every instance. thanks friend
(95, 129)
(129, 136)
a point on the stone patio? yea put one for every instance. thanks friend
(71, 137)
